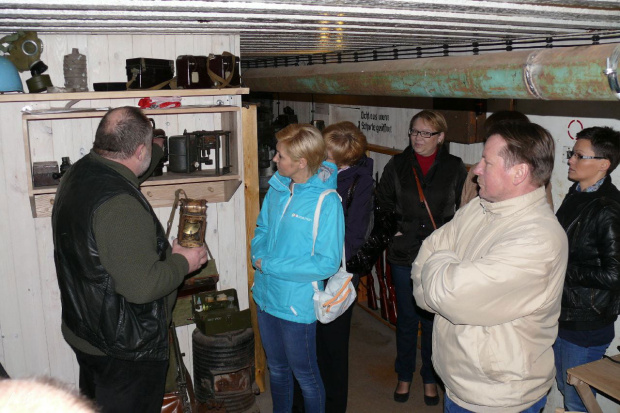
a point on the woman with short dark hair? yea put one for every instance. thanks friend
(590, 215)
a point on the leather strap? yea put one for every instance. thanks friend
(423, 198)
(175, 204)
(215, 77)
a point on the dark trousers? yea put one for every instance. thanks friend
(121, 386)
(332, 350)
(409, 317)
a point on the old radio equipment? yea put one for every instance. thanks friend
(144, 73)
(192, 72)
(224, 70)
(189, 152)
(47, 173)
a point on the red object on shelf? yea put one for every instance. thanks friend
(158, 103)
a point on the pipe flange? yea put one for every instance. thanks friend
(528, 74)
(612, 71)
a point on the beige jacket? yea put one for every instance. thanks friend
(494, 276)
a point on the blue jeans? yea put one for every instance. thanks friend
(451, 407)
(291, 349)
(568, 355)
(409, 317)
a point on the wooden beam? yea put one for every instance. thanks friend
(252, 208)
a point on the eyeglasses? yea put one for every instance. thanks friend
(579, 156)
(424, 134)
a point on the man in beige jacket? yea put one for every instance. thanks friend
(494, 277)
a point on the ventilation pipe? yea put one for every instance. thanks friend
(572, 73)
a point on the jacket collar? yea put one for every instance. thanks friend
(518, 205)
(602, 188)
(118, 167)
(325, 178)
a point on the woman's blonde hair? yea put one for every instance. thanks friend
(435, 119)
(303, 141)
(346, 143)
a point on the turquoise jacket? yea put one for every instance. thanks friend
(283, 241)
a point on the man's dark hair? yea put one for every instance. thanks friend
(527, 143)
(121, 131)
(605, 142)
(504, 116)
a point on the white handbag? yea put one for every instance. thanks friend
(339, 292)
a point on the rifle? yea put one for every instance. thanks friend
(391, 296)
(370, 291)
(383, 300)
(185, 390)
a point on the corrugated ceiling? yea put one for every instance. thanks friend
(279, 27)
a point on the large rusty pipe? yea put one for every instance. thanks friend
(573, 73)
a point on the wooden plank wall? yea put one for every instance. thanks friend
(31, 343)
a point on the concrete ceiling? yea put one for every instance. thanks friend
(281, 27)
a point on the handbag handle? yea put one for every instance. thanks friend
(423, 198)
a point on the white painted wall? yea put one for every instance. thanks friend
(31, 343)
(562, 119)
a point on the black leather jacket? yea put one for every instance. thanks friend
(591, 296)
(398, 207)
(91, 308)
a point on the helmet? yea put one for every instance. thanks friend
(9, 77)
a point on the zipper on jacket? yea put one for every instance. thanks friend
(287, 202)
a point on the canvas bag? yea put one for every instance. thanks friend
(339, 292)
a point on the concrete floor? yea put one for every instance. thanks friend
(372, 379)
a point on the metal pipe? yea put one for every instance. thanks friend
(573, 73)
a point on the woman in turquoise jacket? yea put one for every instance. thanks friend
(286, 266)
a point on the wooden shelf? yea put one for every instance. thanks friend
(124, 94)
(159, 191)
(158, 195)
(99, 113)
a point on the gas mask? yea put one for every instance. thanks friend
(24, 49)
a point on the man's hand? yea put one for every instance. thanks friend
(258, 264)
(196, 257)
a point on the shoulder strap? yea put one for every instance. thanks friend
(315, 230)
(423, 198)
(317, 214)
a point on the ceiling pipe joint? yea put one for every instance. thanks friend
(612, 72)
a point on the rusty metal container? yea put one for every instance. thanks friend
(224, 369)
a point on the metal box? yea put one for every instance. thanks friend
(45, 173)
(217, 312)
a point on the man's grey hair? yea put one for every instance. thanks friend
(121, 131)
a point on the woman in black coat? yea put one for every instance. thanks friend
(590, 215)
(402, 221)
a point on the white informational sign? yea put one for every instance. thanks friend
(382, 126)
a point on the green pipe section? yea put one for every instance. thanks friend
(575, 73)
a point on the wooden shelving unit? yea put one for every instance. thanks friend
(159, 190)
(125, 94)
